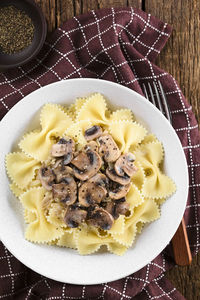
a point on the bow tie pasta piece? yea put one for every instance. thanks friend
(156, 184)
(21, 168)
(118, 226)
(54, 122)
(29, 216)
(149, 139)
(63, 108)
(89, 241)
(94, 109)
(16, 190)
(34, 183)
(40, 230)
(134, 198)
(148, 211)
(53, 243)
(52, 117)
(127, 238)
(56, 215)
(126, 134)
(121, 114)
(71, 111)
(79, 103)
(139, 226)
(150, 154)
(139, 176)
(116, 248)
(160, 201)
(77, 131)
(75, 107)
(68, 239)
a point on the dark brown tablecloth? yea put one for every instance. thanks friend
(120, 45)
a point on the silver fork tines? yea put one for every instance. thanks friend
(158, 98)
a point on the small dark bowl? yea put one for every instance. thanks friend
(8, 61)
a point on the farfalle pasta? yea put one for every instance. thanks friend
(21, 168)
(39, 230)
(88, 177)
(156, 184)
(127, 134)
(54, 122)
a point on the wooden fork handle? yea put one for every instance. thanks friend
(181, 247)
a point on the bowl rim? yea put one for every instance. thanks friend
(181, 212)
(32, 4)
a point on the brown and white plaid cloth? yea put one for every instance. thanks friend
(120, 45)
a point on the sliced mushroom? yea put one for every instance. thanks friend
(64, 147)
(57, 163)
(92, 145)
(66, 191)
(93, 133)
(86, 164)
(90, 210)
(119, 192)
(100, 179)
(108, 148)
(122, 207)
(110, 207)
(123, 180)
(99, 217)
(116, 208)
(61, 172)
(47, 177)
(81, 161)
(90, 194)
(125, 165)
(67, 158)
(74, 217)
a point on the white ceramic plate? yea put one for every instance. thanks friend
(64, 264)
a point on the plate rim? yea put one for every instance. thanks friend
(142, 98)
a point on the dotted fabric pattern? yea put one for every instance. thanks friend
(119, 45)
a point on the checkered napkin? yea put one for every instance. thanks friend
(119, 45)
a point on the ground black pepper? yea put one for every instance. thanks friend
(16, 30)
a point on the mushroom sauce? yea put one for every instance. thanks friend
(91, 184)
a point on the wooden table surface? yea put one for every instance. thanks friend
(180, 57)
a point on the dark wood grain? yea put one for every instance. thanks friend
(180, 57)
(58, 11)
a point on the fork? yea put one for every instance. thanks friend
(180, 243)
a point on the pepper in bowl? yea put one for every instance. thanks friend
(22, 32)
(16, 30)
